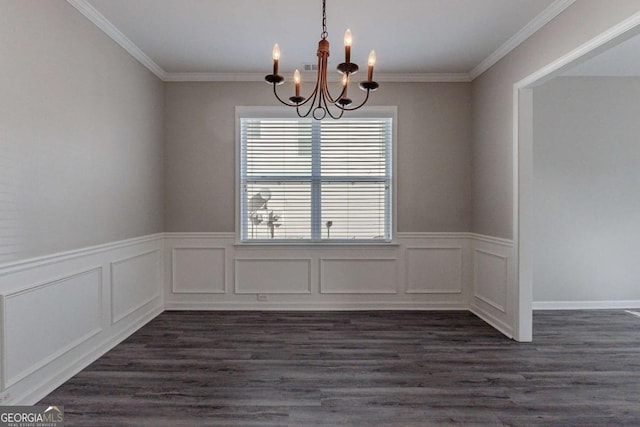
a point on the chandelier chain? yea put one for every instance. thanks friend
(324, 20)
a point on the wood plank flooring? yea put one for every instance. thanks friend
(384, 368)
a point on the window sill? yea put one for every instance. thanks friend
(317, 245)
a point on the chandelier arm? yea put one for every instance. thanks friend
(275, 92)
(314, 92)
(330, 98)
(366, 98)
(329, 112)
(305, 114)
(342, 93)
(334, 117)
(313, 101)
(300, 104)
(288, 104)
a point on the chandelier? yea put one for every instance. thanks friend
(318, 103)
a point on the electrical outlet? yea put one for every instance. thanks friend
(262, 297)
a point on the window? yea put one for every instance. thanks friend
(304, 180)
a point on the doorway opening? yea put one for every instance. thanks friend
(524, 220)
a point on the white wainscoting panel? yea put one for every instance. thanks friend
(321, 277)
(494, 296)
(358, 276)
(273, 276)
(57, 311)
(58, 317)
(434, 270)
(47, 320)
(200, 270)
(134, 283)
(490, 278)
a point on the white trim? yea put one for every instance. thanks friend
(434, 292)
(455, 235)
(423, 77)
(48, 373)
(320, 306)
(432, 235)
(239, 260)
(542, 19)
(323, 261)
(478, 295)
(92, 14)
(115, 319)
(175, 249)
(45, 387)
(585, 305)
(611, 34)
(379, 111)
(490, 239)
(523, 329)
(334, 77)
(215, 77)
(291, 244)
(408, 249)
(28, 263)
(200, 235)
(8, 382)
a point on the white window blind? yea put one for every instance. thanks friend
(307, 180)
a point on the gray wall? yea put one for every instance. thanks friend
(81, 135)
(492, 97)
(434, 173)
(586, 158)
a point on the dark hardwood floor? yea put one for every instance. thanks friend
(362, 369)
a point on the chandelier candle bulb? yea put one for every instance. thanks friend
(348, 40)
(276, 58)
(296, 79)
(372, 62)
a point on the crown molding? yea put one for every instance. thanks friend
(215, 77)
(553, 10)
(91, 13)
(259, 77)
(109, 29)
(423, 77)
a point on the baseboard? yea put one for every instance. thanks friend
(586, 305)
(492, 320)
(77, 365)
(204, 306)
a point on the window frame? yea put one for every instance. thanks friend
(390, 112)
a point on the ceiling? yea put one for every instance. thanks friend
(184, 39)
